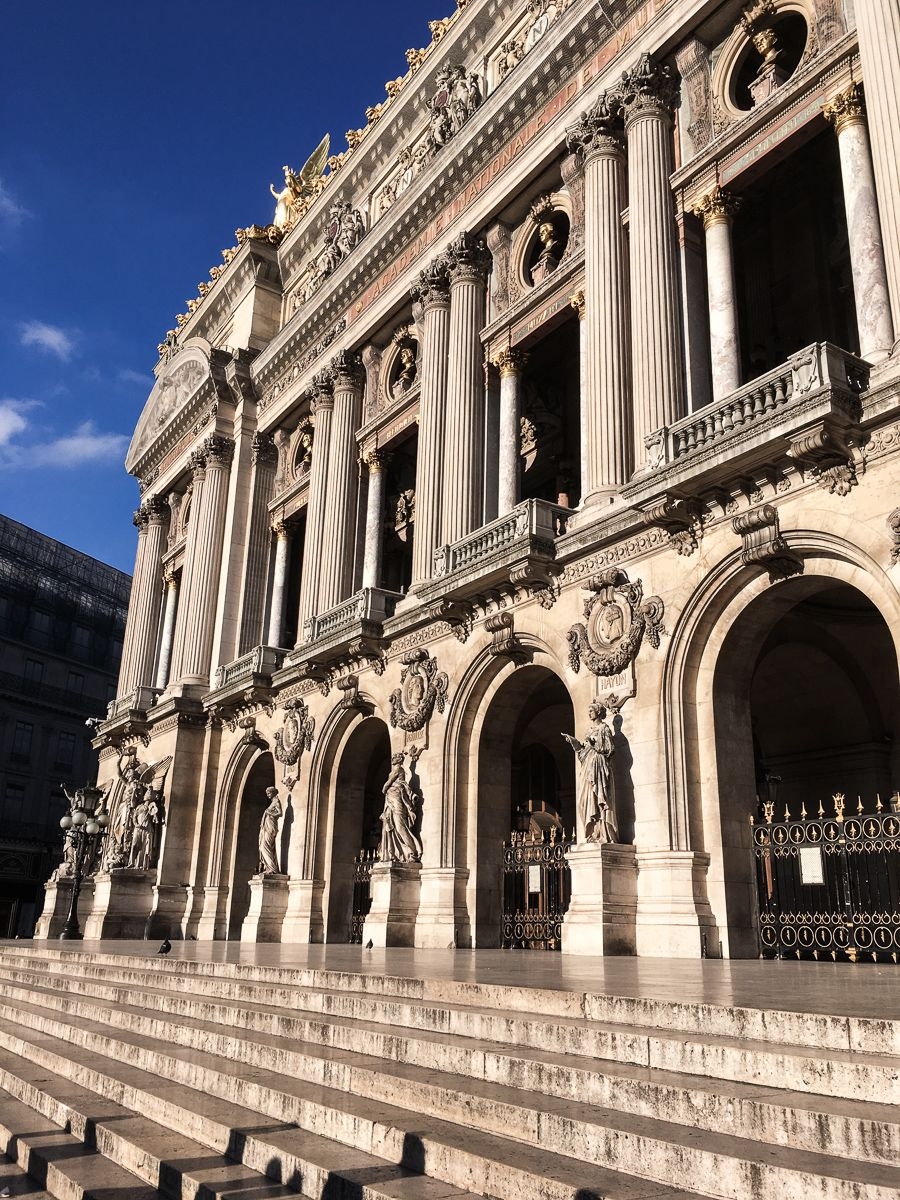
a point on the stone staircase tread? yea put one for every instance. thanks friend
(696, 1087)
(56, 1158)
(551, 1123)
(18, 1183)
(579, 1180)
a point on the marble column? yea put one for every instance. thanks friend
(170, 610)
(606, 448)
(142, 625)
(716, 210)
(203, 559)
(578, 302)
(322, 407)
(376, 462)
(878, 29)
(847, 114)
(649, 94)
(342, 491)
(462, 507)
(264, 459)
(433, 293)
(510, 364)
(279, 583)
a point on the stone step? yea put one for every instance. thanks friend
(16, 1182)
(817, 1031)
(497, 1165)
(345, 1099)
(850, 1128)
(215, 1161)
(60, 1163)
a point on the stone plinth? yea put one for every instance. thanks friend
(169, 913)
(57, 898)
(123, 900)
(268, 904)
(442, 918)
(601, 915)
(213, 922)
(395, 890)
(304, 922)
(674, 917)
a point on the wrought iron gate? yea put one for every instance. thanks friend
(537, 887)
(362, 895)
(828, 887)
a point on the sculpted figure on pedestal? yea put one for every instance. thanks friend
(398, 841)
(268, 834)
(299, 187)
(145, 822)
(596, 809)
(140, 797)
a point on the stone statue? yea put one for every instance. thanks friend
(595, 790)
(141, 786)
(398, 841)
(268, 834)
(299, 186)
(145, 821)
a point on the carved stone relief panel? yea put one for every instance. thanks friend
(617, 619)
(422, 689)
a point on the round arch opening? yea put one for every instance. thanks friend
(253, 804)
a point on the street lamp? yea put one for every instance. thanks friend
(84, 827)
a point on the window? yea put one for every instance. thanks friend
(34, 670)
(75, 683)
(22, 735)
(65, 750)
(13, 802)
(39, 621)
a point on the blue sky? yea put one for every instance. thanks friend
(136, 139)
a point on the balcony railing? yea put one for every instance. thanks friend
(533, 520)
(260, 661)
(368, 607)
(140, 700)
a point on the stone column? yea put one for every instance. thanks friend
(168, 630)
(279, 583)
(433, 293)
(606, 448)
(462, 507)
(847, 114)
(716, 210)
(649, 94)
(342, 491)
(203, 560)
(878, 29)
(264, 458)
(322, 407)
(376, 461)
(579, 303)
(142, 625)
(509, 364)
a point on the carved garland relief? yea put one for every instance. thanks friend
(296, 734)
(422, 689)
(617, 619)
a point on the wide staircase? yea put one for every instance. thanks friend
(127, 1077)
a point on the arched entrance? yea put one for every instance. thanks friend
(525, 782)
(245, 858)
(356, 828)
(805, 700)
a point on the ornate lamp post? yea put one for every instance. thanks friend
(84, 828)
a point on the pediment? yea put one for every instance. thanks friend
(182, 378)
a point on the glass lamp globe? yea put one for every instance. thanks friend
(103, 820)
(79, 816)
(92, 827)
(65, 822)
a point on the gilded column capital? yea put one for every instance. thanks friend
(281, 529)
(433, 287)
(218, 450)
(649, 89)
(170, 578)
(510, 362)
(263, 448)
(599, 130)
(376, 460)
(348, 371)
(577, 301)
(717, 205)
(468, 258)
(846, 108)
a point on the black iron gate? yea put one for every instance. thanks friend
(537, 887)
(828, 887)
(362, 894)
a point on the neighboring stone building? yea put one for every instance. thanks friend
(62, 620)
(571, 382)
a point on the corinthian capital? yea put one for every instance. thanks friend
(717, 205)
(348, 370)
(322, 391)
(846, 108)
(510, 362)
(156, 509)
(263, 448)
(600, 129)
(434, 284)
(218, 450)
(649, 89)
(468, 258)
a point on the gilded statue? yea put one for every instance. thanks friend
(596, 811)
(299, 186)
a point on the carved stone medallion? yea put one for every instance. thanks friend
(617, 619)
(296, 735)
(422, 689)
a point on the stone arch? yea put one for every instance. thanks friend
(715, 650)
(245, 797)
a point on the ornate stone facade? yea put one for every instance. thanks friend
(548, 408)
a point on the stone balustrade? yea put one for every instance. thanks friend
(532, 519)
(140, 700)
(261, 660)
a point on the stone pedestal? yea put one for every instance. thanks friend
(442, 919)
(123, 901)
(57, 898)
(169, 911)
(213, 922)
(601, 916)
(395, 892)
(304, 923)
(673, 916)
(268, 904)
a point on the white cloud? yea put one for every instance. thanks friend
(86, 445)
(47, 337)
(12, 418)
(12, 214)
(141, 377)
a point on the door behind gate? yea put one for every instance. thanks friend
(536, 889)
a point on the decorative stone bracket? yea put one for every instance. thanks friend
(823, 451)
(679, 518)
(763, 544)
(458, 615)
(504, 643)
